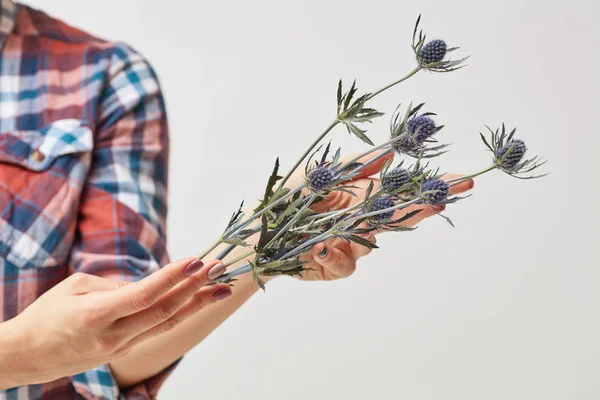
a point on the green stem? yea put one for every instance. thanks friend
(292, 221)
(228, 263)
(262, 211)
(411, 73)
(374, 149)
(399, 206)
(307, 152)
(459, 180)
(330, 216)
(211, 248)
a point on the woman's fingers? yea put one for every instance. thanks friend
(197, 302)
(164, 308)
(372, 168)
(425, 211)
(143, 294)
(336, 263)
(461, 187)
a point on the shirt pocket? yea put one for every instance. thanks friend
(42, 174)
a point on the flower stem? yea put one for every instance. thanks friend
(329, 216)
(307, 152)
(236, 272)
(228, 263)
(384, 210)
(374, 149)
(261, 212)
(411, 73)
(292, 221)
(211, 248)
(459, 180)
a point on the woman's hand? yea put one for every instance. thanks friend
(336, 258)
(86, 321)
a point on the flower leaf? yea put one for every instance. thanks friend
(359, 133)
(236, 241)
(360, 240)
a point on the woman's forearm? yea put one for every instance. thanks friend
(154, 355)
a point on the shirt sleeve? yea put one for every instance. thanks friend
(122, 218)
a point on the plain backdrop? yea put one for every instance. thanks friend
(504, 306)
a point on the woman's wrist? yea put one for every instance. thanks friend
(12, 355)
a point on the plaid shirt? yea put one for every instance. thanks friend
(83, 173)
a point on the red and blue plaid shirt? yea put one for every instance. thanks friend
(83, 173)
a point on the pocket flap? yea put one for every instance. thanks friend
(37, 150)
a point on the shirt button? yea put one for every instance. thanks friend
(37, 155)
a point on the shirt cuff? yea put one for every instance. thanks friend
(100, 384)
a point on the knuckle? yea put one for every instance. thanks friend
(199, 302)
(141, 301)
(78, 279)
(122, 351)
(173, 278)
(164, 312)
(122, 284)
(197, 282)
(107, 345)
(170, 324)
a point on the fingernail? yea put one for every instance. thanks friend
(216, 271)
(193, 267)
(221, 294)
(323, 252)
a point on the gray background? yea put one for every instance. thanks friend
(504, 306)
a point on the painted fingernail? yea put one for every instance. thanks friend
(193, 267)
(216, 271)
(221, 294)
(323, 252)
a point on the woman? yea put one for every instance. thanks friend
(86, 309)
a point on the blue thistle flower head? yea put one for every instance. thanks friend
(431, 55)
(395, 179)
(407, 145)
(511, 154)
(320, 178)
(416, 131)
(433, 52)
(421, 127)
(381, 204)
(438, 191)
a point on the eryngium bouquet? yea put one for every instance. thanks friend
(288, 227)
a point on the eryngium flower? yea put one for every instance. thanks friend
(418, 130)
(439, 191)
(320, 178)
(381, 204)
(433, 52)
(421, 127)
(395, 179)
(517, 151)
